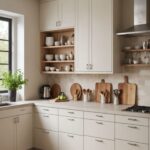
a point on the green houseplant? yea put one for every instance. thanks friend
(13, 82)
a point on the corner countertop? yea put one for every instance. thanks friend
(80, 106)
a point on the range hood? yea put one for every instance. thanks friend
(141, 18)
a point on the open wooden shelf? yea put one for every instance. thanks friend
(60, 72)
(64, 61)
(137, 50)
(54, 47)
(136, 65)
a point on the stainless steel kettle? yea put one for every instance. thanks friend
(45, 92)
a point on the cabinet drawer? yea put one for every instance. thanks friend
(98, 144)
(71, 125)
(46, 121)
(99, 129)
(71, 113)
(46, 110)
(125, 145)
(15, 111)
(70, 142)
(46, 140)
(99, 116)
(24, 110)
(131, 133)
(131, 120)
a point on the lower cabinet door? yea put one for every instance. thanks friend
(70, 142)
(91, 143)
(7, 134)
(126, 145)
(46, 140)
(24, 132)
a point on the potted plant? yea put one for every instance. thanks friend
(13, 82)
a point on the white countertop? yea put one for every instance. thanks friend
(79, 105)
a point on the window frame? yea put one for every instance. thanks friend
(9, 20)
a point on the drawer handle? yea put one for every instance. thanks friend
(100, 141)
(71, 119)
(99, 116)
(131, 119)
(100, 123)
(133, 127)
(71, 112)
(46, 116)
(132, 144)
(46, 109)
(71, 136)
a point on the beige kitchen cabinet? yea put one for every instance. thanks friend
(24, 132)
(94, 36)
(16, 129)
(46, 121)
(98, 144)
(57, 14)
(70, 142)
(46, 140)
(7, 134)
(46, 128)
(126, 145)
(131, 133)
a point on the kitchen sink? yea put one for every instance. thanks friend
(4, 104)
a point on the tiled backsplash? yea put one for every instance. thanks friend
(140, 77)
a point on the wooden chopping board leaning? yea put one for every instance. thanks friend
(128, 92)
(105, 89)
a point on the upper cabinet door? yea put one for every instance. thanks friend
(101, 35)
(57, 14)
(82, 36)
(48, 15)
(67, 13)
(94, 36)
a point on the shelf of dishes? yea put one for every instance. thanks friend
(54, 69)
(62, 46)
(59, 72)
(144, 46)
(136, 65)
(61, 42)
(137, 50)
(59, 57)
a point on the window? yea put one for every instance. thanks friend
(5, 48)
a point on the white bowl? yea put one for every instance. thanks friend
(127, 48)
(47, 68)
(52, 68)
(49, 57)
(57, 70)
(137, 47)
(135, 61)
(57, 43)
(62, 56)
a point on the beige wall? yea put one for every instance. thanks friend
(30, 10)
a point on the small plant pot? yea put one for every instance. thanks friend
(12, 95)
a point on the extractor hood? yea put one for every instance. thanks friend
(141, 18)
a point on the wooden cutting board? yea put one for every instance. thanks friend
(76, 89)
(128, 92)
(55, 91)
(103, 87)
